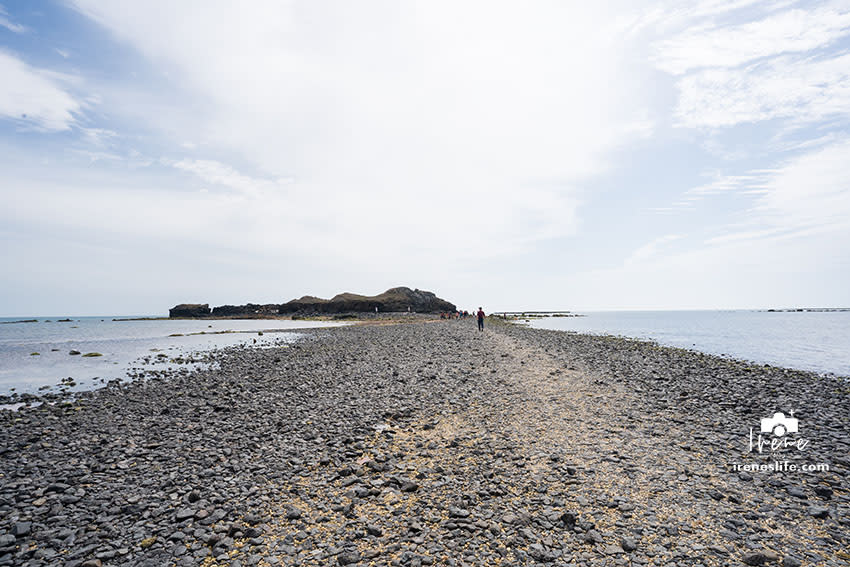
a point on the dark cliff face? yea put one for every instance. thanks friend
(190, 310)
(392, 300)
(248, 309)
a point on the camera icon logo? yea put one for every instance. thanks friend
(780, 425)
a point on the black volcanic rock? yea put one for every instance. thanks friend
(392, 300)
(190, 310)
(251, 309)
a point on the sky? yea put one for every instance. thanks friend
(535, 155)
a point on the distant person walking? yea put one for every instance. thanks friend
(480, 319)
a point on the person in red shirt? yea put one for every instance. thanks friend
(480, 319)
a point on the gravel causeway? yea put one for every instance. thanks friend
(429, 443)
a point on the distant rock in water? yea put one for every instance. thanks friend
(190, 310)
(392, 300)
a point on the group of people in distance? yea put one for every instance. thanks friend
(463, 315)
(454, 315)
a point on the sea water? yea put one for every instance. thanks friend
(807, 340)
(122, 343)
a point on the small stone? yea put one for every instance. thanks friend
(628, 544)
(613, 549)
(184, 514)
(818, 512)
(147, 542)
(797, 492)
(409, 486)
(569, 518)
(92, 563)
(791, 561)
(293, 514)
(824, 492)
(754, 558)
(374, 530)
(21, 529)
(252, 533)
(348, 558)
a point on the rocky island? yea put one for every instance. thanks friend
(397, 299)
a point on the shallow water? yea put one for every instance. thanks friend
(816, 341)
(122, 344)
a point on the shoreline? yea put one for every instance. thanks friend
(825, 361)
(430, 442)
(28, 398)
(692, 350)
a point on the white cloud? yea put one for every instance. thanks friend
(807, 194)
(770, 61)
(310, 145)
(802, 89)
(669, 16)
(5, 22)
(392, 117)
(786, 247)
(651, 249)
(99, 137)
(35, 98)
(752, 182)
(749, 273)
(215, 172)
(810, 192)
(788, 227)
(95, 156)
(789, 31)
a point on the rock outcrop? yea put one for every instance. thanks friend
(190, 310)
(397, 299)
(392, 300)
(252, 309)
